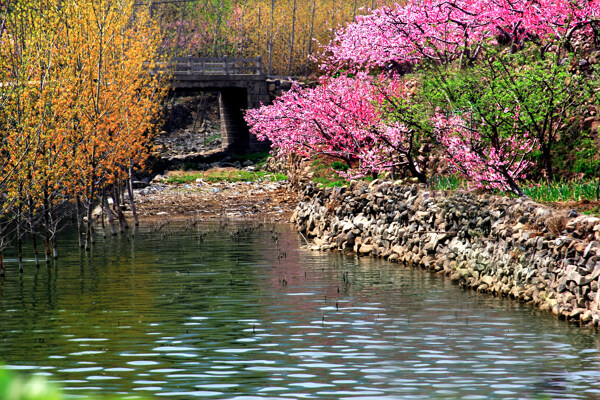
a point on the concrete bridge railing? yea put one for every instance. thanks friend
(216, 66)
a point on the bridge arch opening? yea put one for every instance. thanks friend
(240, 85)
(235, 133)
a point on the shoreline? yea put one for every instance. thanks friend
(516, 248)
(505, 247)
(260, 201)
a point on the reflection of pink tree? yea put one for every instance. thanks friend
(347, 118)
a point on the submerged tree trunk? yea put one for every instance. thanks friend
(102, 215)
(47, 251)
(20, 237)
(54, 248)
(47, 226)
(78, 211)
(129, 185)
(33, 233)
(109, 214)
(36, 253)
(120, 216)
(89, 232)
(20, 248)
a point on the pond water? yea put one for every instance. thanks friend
(245, 313)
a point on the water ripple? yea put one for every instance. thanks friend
(168, 315)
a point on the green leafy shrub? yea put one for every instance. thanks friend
(339, 166)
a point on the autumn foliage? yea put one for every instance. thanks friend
(495, 86)
(78, 107)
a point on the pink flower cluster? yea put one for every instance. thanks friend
(343, 117)
(490, 163)
(444, 30)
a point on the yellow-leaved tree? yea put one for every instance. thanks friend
(78, 108)
(115, 46)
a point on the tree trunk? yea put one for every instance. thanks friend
(513, 185)
(414, 169)
(33, 234)
(122, 194)
(2, 270)
(109, 214)
(292, 37)
(547, 160)
(122, 221)
(203, 105)
(20, 237)
(312, 27)
(102, 222)
(35, 250)
(271, 34)
(46, 226)
(89, 232)
(129, 185)
(54, 248)
(3, 23)
(79, 212)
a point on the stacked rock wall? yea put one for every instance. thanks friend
(508, 247)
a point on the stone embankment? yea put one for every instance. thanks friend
(277, 86)
(503, 246)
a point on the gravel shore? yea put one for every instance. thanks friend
(271, 201)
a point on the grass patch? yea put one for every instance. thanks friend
(258, 158)
(330, 182)
(450, 182)
(543, 192)
(223, 175)
(325, 172)
(562, 191)
(211, 138)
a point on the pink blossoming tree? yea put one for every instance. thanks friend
(346, 118)
(490, 161)
(443, 31)
(488, 125)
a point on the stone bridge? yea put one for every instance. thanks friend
(240, 84)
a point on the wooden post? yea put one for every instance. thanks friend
(225, 63)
